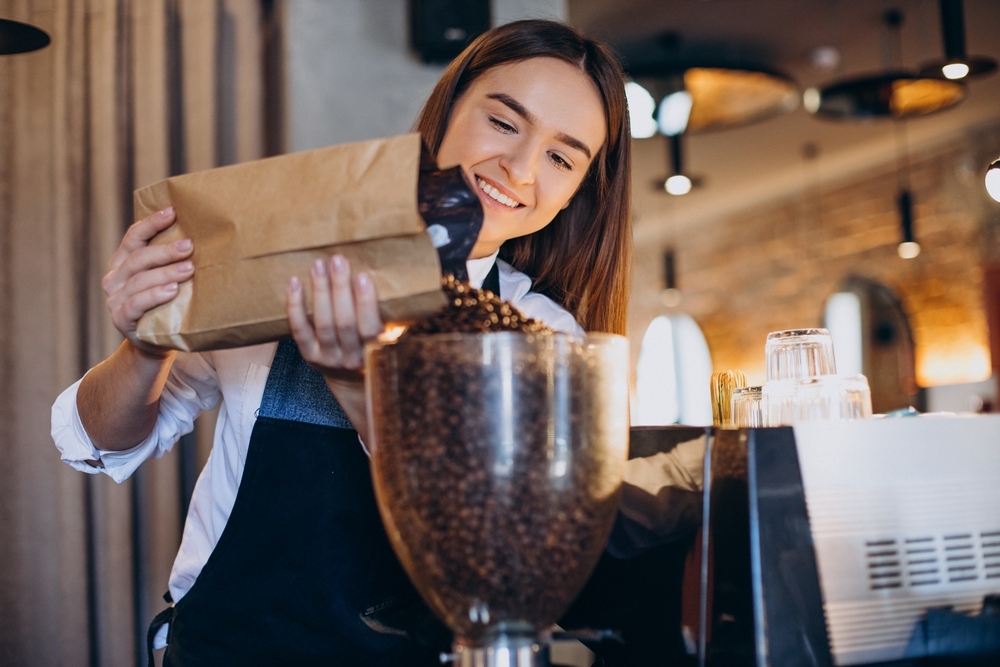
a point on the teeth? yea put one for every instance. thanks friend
(496, 194)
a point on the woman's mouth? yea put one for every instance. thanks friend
(496, 195)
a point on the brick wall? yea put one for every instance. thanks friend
(773, 267)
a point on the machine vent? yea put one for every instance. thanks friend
(884, 569)
(991, 553)
(960, 557)
(933, 560)
(922, 564)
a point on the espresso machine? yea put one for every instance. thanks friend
(851, 543)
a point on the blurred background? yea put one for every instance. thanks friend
(816, 198)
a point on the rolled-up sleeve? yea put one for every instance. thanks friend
(191, 388)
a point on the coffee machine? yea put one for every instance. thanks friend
(852, 543)
(830, 543)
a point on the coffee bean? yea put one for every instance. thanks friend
(472, 310)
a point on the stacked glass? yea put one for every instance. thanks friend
(802, 381)
(746, 412)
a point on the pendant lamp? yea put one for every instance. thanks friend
(701, 88)
(17, 37)
(956, 64)
(720, 97)
(678, 183)
(993, 180)
(896, 93)
(908, 247)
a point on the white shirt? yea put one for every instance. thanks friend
(198, 382)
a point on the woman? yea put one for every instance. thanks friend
(283, 558)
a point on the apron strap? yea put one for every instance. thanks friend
(159, 621)
(492, 280)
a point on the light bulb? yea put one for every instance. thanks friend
(671, 297)
(640, 111)
(955, 71)
(811, 99)
(908, 249)
(679, 184)
(675, 109)
(993, 180)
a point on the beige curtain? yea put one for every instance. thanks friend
(128, 92)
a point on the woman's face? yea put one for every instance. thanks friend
(525, 135)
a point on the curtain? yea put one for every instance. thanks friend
(128, 93)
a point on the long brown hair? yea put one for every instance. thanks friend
(582, 259)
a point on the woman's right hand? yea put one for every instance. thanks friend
(141, 277)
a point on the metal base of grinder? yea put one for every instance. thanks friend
(503, 651)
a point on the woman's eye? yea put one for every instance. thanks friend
(560, 162)
(502, 126)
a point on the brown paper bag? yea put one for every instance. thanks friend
(256, 224)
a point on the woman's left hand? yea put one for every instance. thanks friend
(345, 317)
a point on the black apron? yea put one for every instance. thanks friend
(303, 573)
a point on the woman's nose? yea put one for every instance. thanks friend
(520, 164)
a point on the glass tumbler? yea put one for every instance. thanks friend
(746, 412)
(833, 397)
(824, 397)
(798, 354)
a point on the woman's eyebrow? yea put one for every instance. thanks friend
(519, 109)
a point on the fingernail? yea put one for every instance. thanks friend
(364, 282)
(294, 284)
(183, 245)
(185, 267)
(339, 263)
(167, 212)
(172, 287)
(319, 267)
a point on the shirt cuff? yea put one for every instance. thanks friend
(78, 450)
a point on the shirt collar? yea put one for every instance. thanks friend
(479, 268)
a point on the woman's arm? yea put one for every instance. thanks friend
(118, 399)
(345, 317)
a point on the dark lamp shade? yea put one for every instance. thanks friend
(890, 95)
(724, 97)
(17, 37)
(979, 66)
(721, 97)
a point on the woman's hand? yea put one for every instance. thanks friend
(141, 277)
(345, 317)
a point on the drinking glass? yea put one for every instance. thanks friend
(798, 354)
(746, 410)
(823, 397)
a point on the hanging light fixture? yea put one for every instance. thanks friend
(713, 98)
(908, 247)
(671, 294)
(678, 183)
(896, 93)
(701, 88)
(956, 64)
(993, 180)
(676, 91)
(17, 37)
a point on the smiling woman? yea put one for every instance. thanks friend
(555, 104)
(535, 115)
(514, 132)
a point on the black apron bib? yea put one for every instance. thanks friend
(303, 573)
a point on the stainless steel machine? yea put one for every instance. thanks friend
(851, 543)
